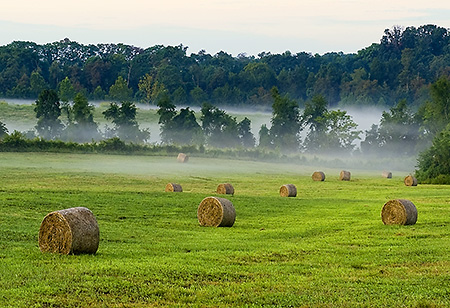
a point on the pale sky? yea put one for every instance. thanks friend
(233, 26)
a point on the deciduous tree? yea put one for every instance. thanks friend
(48, 111)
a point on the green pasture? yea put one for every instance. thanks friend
(327, 247)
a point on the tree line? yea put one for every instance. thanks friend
(401, 131)
(401, 66)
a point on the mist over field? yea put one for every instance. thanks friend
(148, 119)
(365, 117)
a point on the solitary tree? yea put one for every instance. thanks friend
(285, 127)
(245, 133)
(328, 129)
(179, 128)
(220, 128)
(124, 120)
(48, 111)
(81, 127)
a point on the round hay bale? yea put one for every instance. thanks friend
(70, 231)
(386, 174)
(182, 158)
(216, 212)
(318, 176)
(399, 212)
(410, 181)
(344, 175)
(172, 187)
(288, 190)
(225, 188)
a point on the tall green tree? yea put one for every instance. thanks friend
(314, 119)
(178, 128)
(328, 130)
(434, 163)
(221, 129)
(66, 91)
(126, 126)
(81, 127)
(264, 137)
(37, 83)
(437, 111)
(48, 110)
(245, 133)
(119, 91)
(285, 129)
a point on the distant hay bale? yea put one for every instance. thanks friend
(172, 187)
(225, 188)
(399, 212)
(182, 158)
(288, 190)
(216, 212)
(318, 176)
(70, 231)
(386, 174)
(344, 175)
(410, 181)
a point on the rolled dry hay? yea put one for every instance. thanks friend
(70, 231)
(216, 212)
(399, 212)
(318, 176)
(344, 175)
(288, 190)
(410, 181)
(225, 188)
(387, 174)
(172, 187)
(182, 158)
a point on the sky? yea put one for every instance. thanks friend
(232, 26)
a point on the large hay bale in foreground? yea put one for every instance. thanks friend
(172, 187)
(345, 175)
(216, 212)
(399, 212)
(70, 231)
(386, 174)
(410, 181)
(318, 176)
(182, 158)
(225, 188)
(288, 190)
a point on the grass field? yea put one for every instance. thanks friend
(325, 248)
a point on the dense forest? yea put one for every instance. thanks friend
(401, 66)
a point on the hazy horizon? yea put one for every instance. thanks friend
(235, 27)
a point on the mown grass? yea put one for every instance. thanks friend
(325, 248)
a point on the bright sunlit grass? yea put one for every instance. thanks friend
(325, 248)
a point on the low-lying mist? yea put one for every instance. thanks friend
(364, 117)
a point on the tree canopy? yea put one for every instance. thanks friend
(401, 66)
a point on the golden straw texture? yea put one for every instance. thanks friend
(172, 187)
(288, 190)
(69, 231)
(216, 212)
(318, 176)
(344, 175)
(182, 158)
(410, 181)
(225, 188)
(399, 212)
